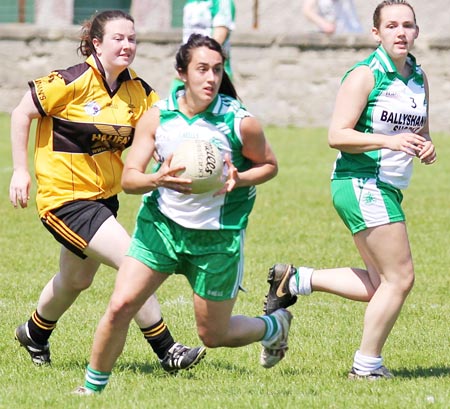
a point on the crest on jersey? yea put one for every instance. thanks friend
(110, 138)
(92, 108)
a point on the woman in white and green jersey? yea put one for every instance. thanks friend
(379, 125)
(198, 235)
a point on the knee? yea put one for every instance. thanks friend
(78, 282)
(408, 283)
(83, 284)
(210, 339)
(405, 283)
(121, 310)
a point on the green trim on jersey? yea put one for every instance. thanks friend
(219, 124)
(395, 104)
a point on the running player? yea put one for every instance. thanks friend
(86, 118)
(379, 125)
(200, 236)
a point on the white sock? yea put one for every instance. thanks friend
(365, 364)
(300, 282)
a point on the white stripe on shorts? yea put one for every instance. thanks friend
(371, 203)
(240, 273)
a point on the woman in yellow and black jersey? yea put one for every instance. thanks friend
(86, 118)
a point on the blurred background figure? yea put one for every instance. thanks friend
(213, 18)
(333, 16)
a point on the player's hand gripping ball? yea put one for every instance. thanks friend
(203, 164)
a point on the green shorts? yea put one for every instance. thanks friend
(211, 260)
(364, 203)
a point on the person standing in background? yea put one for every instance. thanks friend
(333, 16)
(212, 18)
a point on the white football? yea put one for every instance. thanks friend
(203, 163)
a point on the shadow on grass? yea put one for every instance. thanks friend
(225, 366)
(137, 367)
(154, 368)
(420, 372)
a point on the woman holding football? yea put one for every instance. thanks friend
(200, 236)
(379, 125)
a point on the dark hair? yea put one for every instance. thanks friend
(95, 28)
(184, 57)
(377, 12)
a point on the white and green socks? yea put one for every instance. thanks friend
(96, 380)
(272, 327)
(300, 282)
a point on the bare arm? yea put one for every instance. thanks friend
(427, 154)
(220, 34)
(311, 13)
(21, 118)
(350, 102)
(256, 148)
(135, 180)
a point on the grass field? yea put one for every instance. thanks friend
(293, 221)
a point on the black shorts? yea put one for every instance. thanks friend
(75, 223)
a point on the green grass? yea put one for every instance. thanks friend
(293, 221)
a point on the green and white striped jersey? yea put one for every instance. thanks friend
(395, 105)
(219, 124)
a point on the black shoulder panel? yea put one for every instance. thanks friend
(72, 73)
